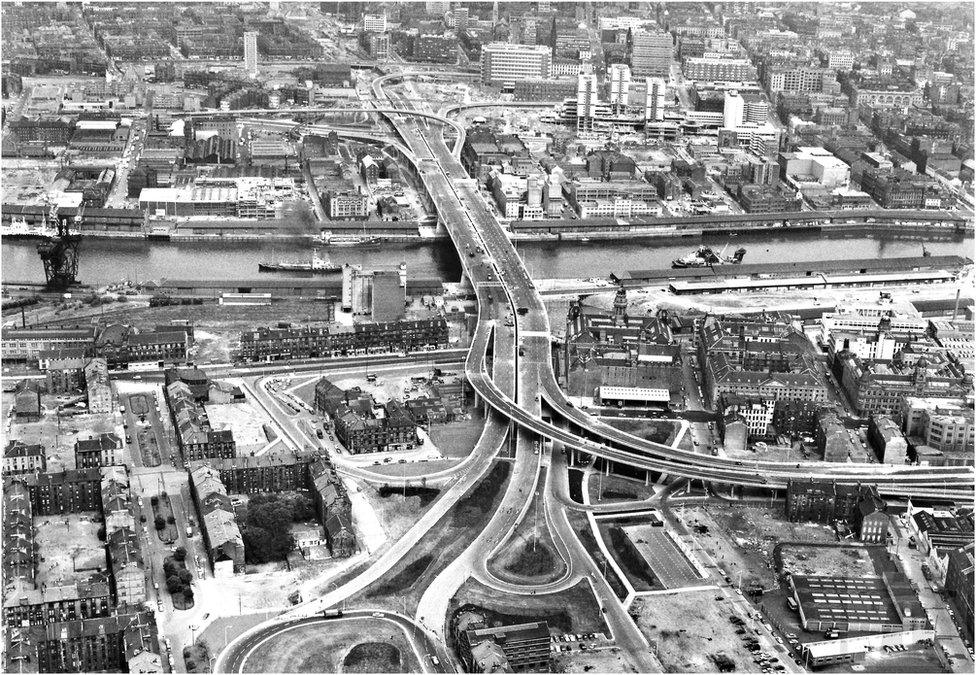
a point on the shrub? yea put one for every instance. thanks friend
(180, 553)
(173, 584)
(171, 520)
(160, 523)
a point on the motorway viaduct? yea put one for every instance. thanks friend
(463, 210)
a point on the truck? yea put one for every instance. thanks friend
(332, 613)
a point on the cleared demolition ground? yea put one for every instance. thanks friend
(68, 548)
(691, 632)
(741, 538)
(574, 610)
(58, 434)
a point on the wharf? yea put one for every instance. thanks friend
(636, 278)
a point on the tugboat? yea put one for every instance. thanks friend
(706, 257)
(317, 265)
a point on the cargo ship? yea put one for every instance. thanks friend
(317, 265)
(706, 257)
(349, 240)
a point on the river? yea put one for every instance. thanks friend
(108, 260)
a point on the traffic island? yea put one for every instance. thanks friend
(178, 580)
(140, 406)
(529, 555)
(163, 519)
(373, 657)
(447, 539)
(335, 646)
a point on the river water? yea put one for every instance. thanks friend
(105, 261)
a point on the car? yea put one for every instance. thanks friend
(779, 639)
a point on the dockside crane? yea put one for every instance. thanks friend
(59, 252)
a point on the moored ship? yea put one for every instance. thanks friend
(349, 240)
(705, 257)
(317, 265)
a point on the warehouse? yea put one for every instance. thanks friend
(642, 396)
(870, 604)
(807, 283)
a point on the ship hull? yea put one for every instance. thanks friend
(285, 267)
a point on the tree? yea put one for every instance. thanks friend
(180, 553)
(185, 577)
(154, 500)
(142, 518)
(160, 523)
(171, 520)
(101, 533)
(169, 568)
(173, 584)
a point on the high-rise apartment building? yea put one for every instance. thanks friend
(619, 79)
(650, 53)
(654, 105)
(504, 64)
(586, 102)
(251, 52)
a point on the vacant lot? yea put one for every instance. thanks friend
(457, 439)
(59, 439)
(656, 431)
(245, 419)
(612, 660)
(571, 611)
(691, 632)
(742, 538)
(327, 647)
(844, 561)
(618, 488)
(68, 548)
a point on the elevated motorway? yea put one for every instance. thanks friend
(467, 217)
